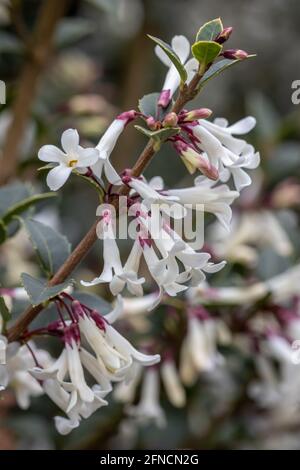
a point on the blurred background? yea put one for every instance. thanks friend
(101, 64)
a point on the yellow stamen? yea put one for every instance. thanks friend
(72, 163)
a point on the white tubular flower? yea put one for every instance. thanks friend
(125, 391)
(136, 306)
(68, 364)
(172, 384)
(207, 197)
(129, 276)
(149, 409)
(15, 372)
(111, 254)
(181, 47)
(198, 353)
(250, 230)
(3, 346)
(226, 152)
(106, 145)
(74, 156)
(113, 272)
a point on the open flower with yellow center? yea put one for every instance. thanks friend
(74, 156)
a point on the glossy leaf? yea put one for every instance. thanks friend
(219, 67)
(38, 290)
(210, 30)
(51, 247)
(206, 51)
(172, 56)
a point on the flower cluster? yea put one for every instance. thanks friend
(94, 355)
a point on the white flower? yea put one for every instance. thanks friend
(198, 353)
(74, 411)
(250, 230)
(74, 156)
(172, 384)
(3, 346)
(15, 372)
(114, 354)
(226, 152)
(149, 409)
(181, 47)
(113, 272)
(209, 198)
(106, 146)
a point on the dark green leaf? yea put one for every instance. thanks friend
(172, 56)
(52, 248)
(206, 51)
(210, 30)
(92, 183)
(23, 205)
(218, 68)
(4, 312)
(38, 290)
(11, 194)
(3, 232)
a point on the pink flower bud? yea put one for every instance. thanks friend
(208, 169)
(201, 113)
(128, 116)
(164, 98)
(170, 120)
(235, 54)
(151, 123)
(224, 35)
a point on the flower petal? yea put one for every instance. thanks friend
(70, 140)
(50, 153)
(57, 177)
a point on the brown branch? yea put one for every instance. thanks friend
(38, 47)
(22, 323)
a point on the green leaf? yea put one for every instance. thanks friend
(148, 104)
(93, 183)
(38, 290)
(12, 194)
(219, 67)
(4, 312)
(210, 30)
(52, 248)
(206, 51)
(72, 30)
(161, 135)
(23, 205)
(3, 232)
(172, 56)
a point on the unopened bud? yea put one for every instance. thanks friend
(235, 54)
(201, 113)
(224, 35)
(151, 123)
(170, 120)
(164, 98)
(208, 169)
(128, 116)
